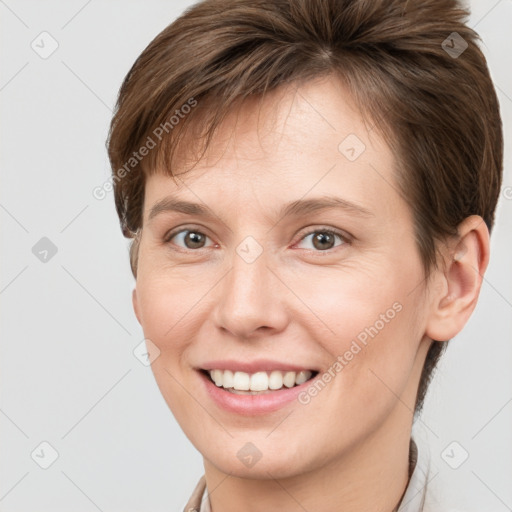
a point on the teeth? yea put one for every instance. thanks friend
(228, 380)
(241, 381)
(302, 377)
(259, 381)
(289, 379)
(275, 381)
(217, 377)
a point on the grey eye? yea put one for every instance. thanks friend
(323, 239)
(190, 239)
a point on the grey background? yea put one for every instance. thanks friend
(68, 373)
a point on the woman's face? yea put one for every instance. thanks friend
(259, 278)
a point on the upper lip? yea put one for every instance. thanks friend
(257, 365)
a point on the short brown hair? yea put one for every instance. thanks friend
(437, 110)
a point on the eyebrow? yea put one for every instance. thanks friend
(301, 207)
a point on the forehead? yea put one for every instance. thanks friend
(320, 112)
(296, 142)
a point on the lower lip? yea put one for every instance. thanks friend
(249, 405)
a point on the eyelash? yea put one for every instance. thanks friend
(323, 229)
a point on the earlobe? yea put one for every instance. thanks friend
(465, 264)
(136, 305)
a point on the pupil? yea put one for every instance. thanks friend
(322, 238)
(193, 240)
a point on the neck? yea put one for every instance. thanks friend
(373, 476)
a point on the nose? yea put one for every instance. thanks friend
(250, 300)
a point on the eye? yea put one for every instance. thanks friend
(324, 239)
(190, 238)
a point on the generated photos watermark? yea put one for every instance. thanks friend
(360, 341)
(152, 141)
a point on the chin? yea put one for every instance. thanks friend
(262, 469)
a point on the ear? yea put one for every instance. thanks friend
(457, 286)
(135, 304)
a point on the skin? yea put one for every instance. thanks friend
(298, 303)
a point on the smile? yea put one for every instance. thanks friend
(240, 382)
(251, 394)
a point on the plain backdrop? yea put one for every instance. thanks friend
(69, 376)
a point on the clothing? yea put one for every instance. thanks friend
(416, 497)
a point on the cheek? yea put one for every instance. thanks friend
(168, 302)
(368, 322)
(345, 302)
(169, 309)
(372, 354)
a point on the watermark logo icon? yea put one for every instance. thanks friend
(455, 455)
(45, 45)
(249, 249)
(44, 455)
(454, 45)
(146, 352)
(249, 454)
(44, 250)
(351, 147)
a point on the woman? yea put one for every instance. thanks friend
(310, 202)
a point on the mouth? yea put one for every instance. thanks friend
(258, 383)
